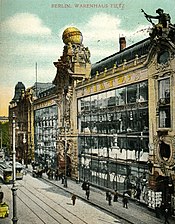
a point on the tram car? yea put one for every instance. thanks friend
(19, 170)
(6, 172)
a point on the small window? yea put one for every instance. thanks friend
(164, 117)
(164, 103)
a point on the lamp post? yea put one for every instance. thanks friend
(14, 188)
(26, 151)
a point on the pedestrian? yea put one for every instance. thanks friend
(125, 201)
(1, 195)
(109, 198)
(56, 174)
(60, 176)
(84, 185)
(138, 190)
(51, 174)
(87, 185)
(166, 216)
(87, 193)
(107, 195)
(115, 196)
(157, 210)
(62, 179)
(73, 199)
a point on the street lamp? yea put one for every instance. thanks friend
(26, 153)
(14, 188)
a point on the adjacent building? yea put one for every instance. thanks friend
(45, 127)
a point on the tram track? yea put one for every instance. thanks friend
(46, 205)
(54, 205)
(121, 218)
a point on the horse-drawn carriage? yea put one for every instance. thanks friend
(37, 170)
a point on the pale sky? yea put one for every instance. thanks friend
(31, 31)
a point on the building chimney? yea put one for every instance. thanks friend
(122, 42)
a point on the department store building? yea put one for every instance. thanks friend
(126, 126)
(113, 122)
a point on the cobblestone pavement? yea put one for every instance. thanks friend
(136, 212)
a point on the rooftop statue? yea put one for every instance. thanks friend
(164, 23)
(163, 18)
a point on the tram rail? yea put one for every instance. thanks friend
(117, 216)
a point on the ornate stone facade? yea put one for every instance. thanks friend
(73, 66)
(161, 70)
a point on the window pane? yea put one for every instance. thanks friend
(102, 103)
(164, 116)
(164, 88)
(94, 102)
(143, 91)
(131, 93)
(121, 96)
(111, 98)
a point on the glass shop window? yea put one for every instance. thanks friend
(94, 102)
(121, 96)
(102, 103)
(87, 104)
(131, 93)
(111, 98)
(143, 120)
(143, 91)
(164, 117)
(81, 104)
(164, 90)
(164, 103)
(86, 124)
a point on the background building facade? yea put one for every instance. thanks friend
(45, 128)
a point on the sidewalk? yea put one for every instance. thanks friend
(135, 213)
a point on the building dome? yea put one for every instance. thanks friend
(19, 88)
(72, 35)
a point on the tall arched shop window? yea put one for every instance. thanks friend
(164, 103)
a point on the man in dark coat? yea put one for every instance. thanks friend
(115, 196)
(125, 201)
(166, 216)
(87, 193)
(73, 199)
(109, 198)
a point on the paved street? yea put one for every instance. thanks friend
(39, 202)
(135, 213)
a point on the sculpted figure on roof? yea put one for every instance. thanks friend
(163, 27)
